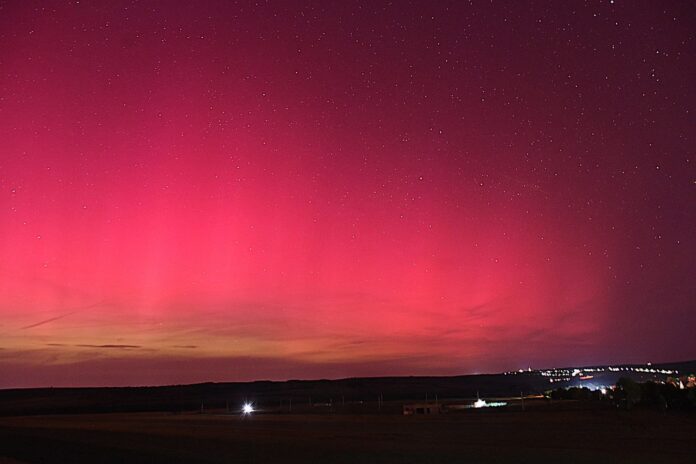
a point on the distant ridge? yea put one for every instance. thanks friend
(180, 398)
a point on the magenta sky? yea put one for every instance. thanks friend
(230, 191)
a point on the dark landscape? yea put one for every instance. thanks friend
(358, 420)
(573, 435)
(355, 395)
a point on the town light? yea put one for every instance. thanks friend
(247, 409)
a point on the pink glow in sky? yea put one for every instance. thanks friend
(217, 191)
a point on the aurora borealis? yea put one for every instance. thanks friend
(221, 190)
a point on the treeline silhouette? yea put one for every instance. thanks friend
(628, 394)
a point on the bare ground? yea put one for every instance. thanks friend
(570, 436)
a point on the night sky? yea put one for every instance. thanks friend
(220, 191)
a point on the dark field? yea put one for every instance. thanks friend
(570, 435)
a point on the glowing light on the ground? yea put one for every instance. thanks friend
(484, 404)
(247, 409)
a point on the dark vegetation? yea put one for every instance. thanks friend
(577, 393)
(628, 394)
(663, 396)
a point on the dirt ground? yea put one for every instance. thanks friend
(597, 436)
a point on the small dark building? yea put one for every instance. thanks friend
(416, 409)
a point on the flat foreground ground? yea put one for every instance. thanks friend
(603, 436)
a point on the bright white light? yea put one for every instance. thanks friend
(247, 408)
(603, 390)
(479, 403)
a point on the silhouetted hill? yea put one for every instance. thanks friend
(307, 394)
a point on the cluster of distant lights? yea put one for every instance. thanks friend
(566, 375)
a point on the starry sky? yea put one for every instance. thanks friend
(221, 191)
